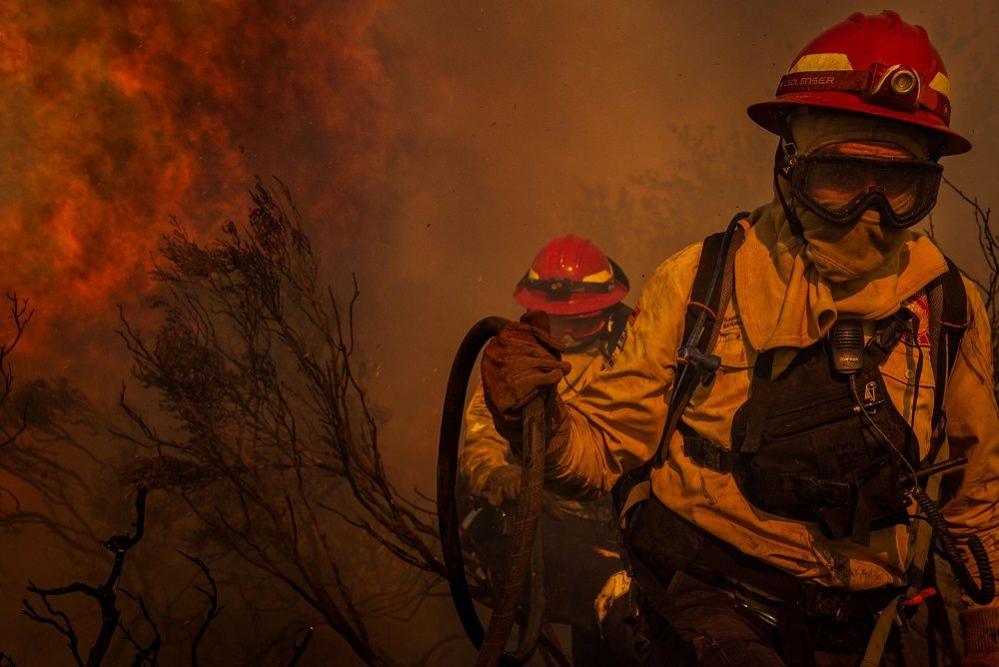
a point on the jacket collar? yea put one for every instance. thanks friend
(784, 302)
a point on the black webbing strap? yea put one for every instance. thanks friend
(762, 387)
(948, 303)
(710, 294)
(706, 453)
(700, 300)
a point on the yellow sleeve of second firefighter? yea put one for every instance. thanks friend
(484, 449)
(973, 431)
(615, 422)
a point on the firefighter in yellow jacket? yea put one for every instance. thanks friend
(777, 509)
(582, 290)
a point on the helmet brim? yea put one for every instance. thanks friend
(772, 116)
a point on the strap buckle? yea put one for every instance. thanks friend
(705, 365)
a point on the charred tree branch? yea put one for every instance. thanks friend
(105, 594)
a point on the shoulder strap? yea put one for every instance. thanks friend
(948, 304)
(709, 297)
(700, 300)
(710, 294)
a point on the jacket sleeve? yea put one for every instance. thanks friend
(484, 449)
(973, 431)
(615, 422)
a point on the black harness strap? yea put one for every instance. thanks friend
(762, 384)
(949, 319)
(710, 294)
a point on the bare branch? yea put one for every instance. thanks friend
(148, 653)
(988, 243)
(273, 442)
(55, 618)
(214, 609)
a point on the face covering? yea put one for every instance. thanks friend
(843, 252)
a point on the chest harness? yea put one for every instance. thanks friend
(807, 444)
(813, 443)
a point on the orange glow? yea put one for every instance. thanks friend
(115, 116)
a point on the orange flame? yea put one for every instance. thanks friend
(115, 115)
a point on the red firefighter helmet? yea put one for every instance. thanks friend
(571, 276)
(878, 65)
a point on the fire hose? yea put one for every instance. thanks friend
(524, 554)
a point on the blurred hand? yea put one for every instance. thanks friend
(516, 365)
(502, 485)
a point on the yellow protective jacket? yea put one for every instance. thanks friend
(780, 302)
(484, 449)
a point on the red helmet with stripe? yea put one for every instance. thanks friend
(877, 65)
(571, 276)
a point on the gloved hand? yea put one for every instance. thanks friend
(521, 360)
(981, 636)
(502, 485)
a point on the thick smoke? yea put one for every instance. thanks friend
(116, 115)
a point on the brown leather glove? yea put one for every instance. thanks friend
(516, 365)
(502, 485)
(981, 636)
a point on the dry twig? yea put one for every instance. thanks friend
(256, 360)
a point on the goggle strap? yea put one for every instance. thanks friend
(561, 289)
(792, 218)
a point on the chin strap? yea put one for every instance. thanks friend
(782, 169)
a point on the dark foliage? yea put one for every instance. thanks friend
(272, 443)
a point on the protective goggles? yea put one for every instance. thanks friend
(578, 327)
(840, 188)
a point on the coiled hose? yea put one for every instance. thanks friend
(980, 594)
(524, 552)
